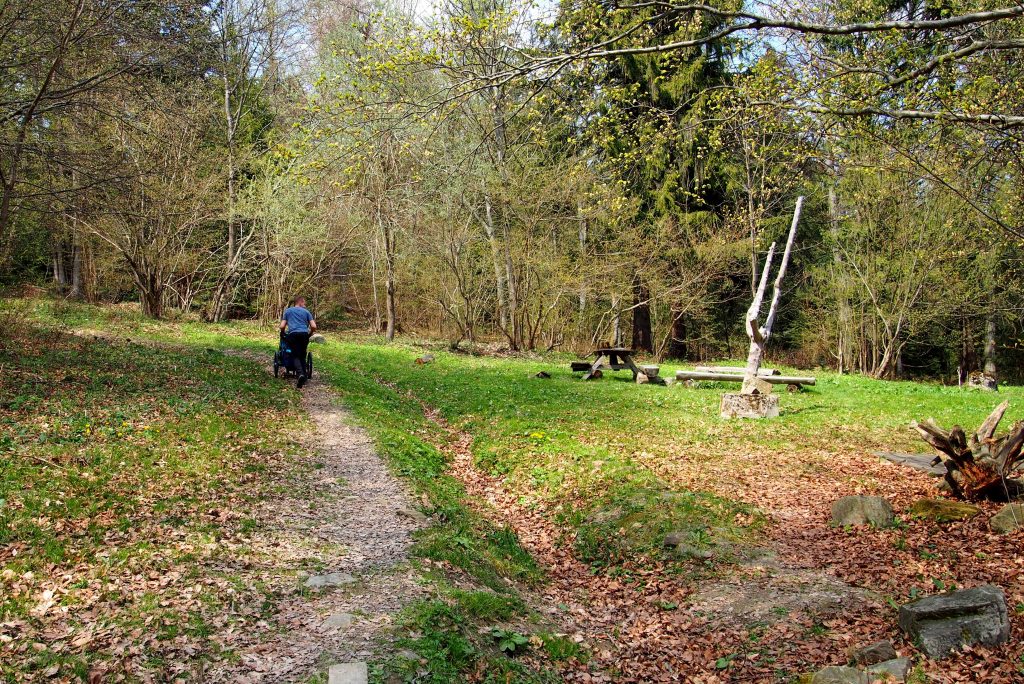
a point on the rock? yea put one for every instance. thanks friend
(674, 539)
(756, 386)
(339, 621)
(668, 382)
(692, 552)
(650, 371)
(348, 673)
(543, 375)
(894, 670)
(642, 379)
(749, 406)
(792, 388)
(426, 358)
(862, 510)
(943, 510)
(982, 380)
(840, 675)
(412, 514)
(317, 338)
(1009, 518)
(877, 652)
(943, 623)
(333, 579)
(919, 462)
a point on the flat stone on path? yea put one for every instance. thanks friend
(339, 621)
(919, 462)
(333, 579)
(840, 675)
(945, 623)
(1009, 518)
(862, 510)
(348, 673)
(895, 670)
(877, 652)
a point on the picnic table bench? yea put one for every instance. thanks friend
(608, 358)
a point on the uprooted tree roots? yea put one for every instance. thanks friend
(982, 466)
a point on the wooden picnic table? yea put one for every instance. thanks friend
(609, 358)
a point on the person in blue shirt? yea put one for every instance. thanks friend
(299, 324)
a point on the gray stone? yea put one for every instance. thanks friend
(862, 510)
(348, 673)
(412, 514)
(983, 380)
(339, 621)
(426, 358)
(689, 551)
(642, 379)
(755, 385)
(317, 338)
(333, 579)
(651, 371)
(1009, 518)
(944, 623)
(840, 675)
(919, 462)
(877, 652)
(749, 406)
(895, 670)
(674, 539)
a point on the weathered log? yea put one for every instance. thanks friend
(735, 369)
(978, 467)
(738, 377)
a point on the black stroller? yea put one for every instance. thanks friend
(283, 359)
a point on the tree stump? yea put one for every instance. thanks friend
(979, 467)
(983, 380)
(750, 405)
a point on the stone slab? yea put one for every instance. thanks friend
(944, 623)
(348, 673)
(919, 462)
(333, 579)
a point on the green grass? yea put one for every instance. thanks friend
(614, 466)
(112, 457)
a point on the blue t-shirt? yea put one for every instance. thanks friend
(297, 318)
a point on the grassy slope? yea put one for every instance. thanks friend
(570, 445)
(126, 475)
(573, 449)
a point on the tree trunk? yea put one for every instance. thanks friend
(77, 287)
(759, 334)
(990, 345)
(499, 273)
(60, 276)
(677, 345)
(844, 333)
(643, 340)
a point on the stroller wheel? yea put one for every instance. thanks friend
(309, 365)
(277, 364)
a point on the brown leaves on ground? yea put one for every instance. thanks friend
(639, 626)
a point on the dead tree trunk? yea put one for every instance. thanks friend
(759, 334)
(979, 467)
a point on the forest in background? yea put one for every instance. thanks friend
(542, 178)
